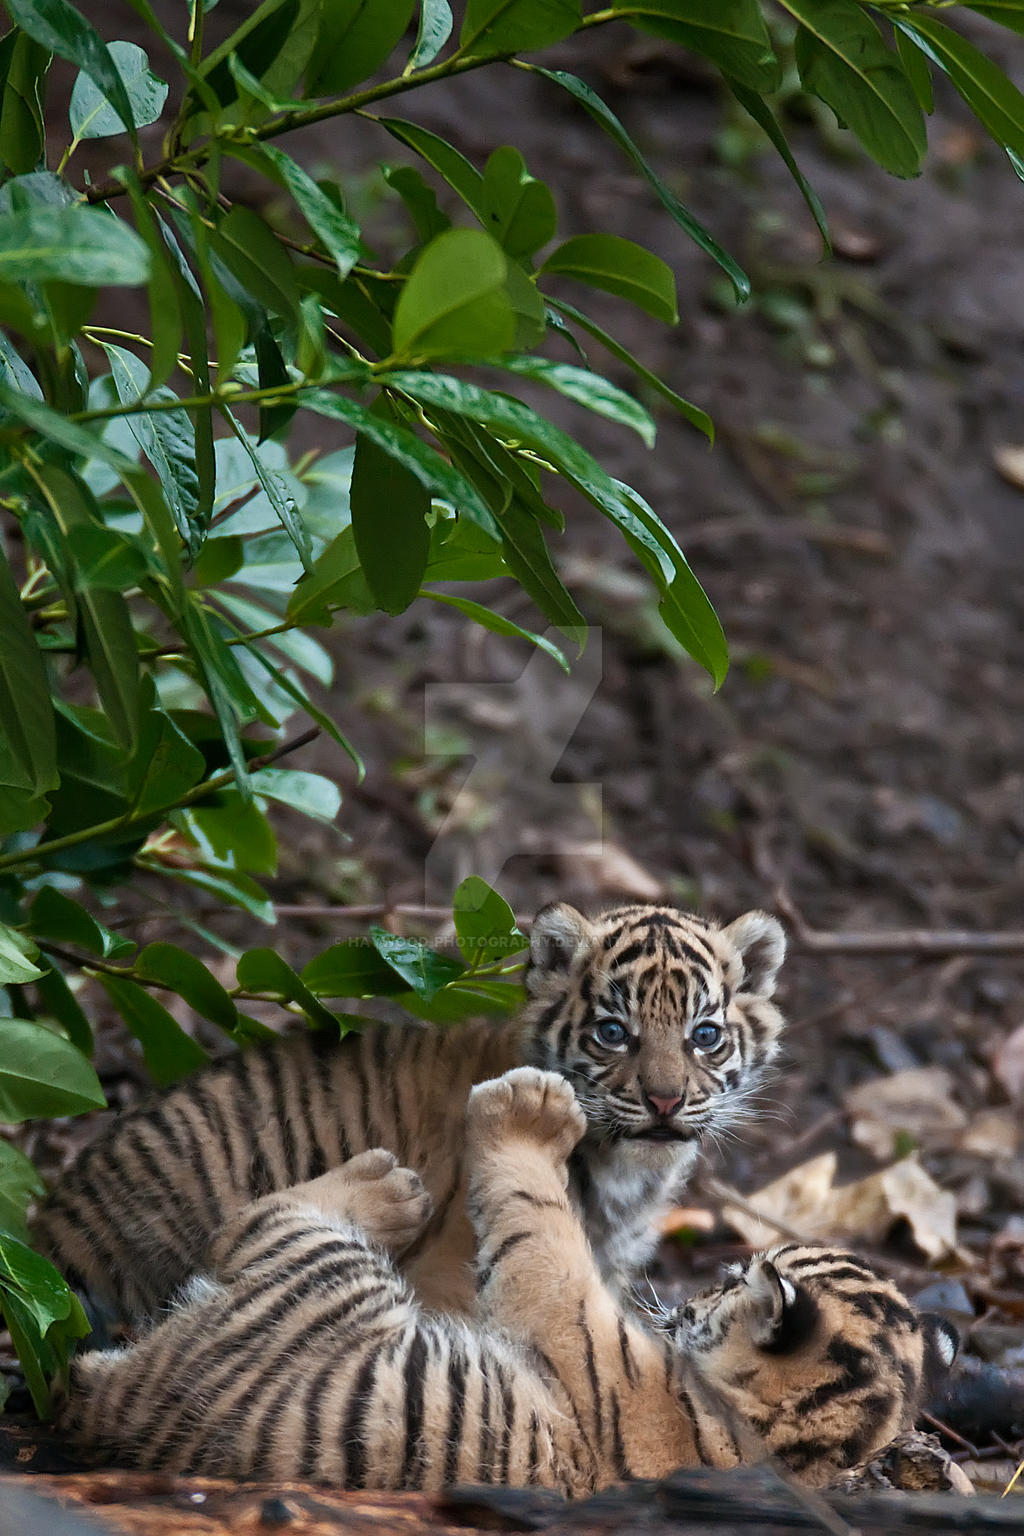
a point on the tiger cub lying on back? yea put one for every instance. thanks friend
(307, 1355)
(663, 1022)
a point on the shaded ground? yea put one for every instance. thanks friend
(865, 555)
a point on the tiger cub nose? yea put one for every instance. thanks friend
(664, 1104)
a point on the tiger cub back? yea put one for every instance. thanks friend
(307, 1356)
(663, 1021)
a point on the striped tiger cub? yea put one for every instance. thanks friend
(306, 1354)
(662, 1021)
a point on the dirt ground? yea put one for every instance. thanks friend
(859, 528)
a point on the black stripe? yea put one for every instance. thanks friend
(508, 1413)
(591, 1364)
(485, 1458)
(628, 1363)
(532, 1454)
(505, 1247)
(311, 1419)
(352, 1446)
(413, 1379)
(623, 1471)
(456, 1415)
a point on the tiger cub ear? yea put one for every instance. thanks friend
(781, 1315)
(760, 942)
(558, 936)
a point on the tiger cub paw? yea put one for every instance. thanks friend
(374, 1192)
(526, 1105)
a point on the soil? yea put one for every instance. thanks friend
(863, 765)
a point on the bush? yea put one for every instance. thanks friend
(165, 560)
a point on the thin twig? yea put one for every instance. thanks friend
(943, 1428)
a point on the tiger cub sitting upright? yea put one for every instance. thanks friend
(307, 1355)
(663, 1023)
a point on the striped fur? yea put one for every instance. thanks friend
(132, 1219)
(307, 1355)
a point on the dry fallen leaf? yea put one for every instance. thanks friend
(916, 1103)
(686, 1218)
(807, 1201)
(1008, 1063)
(994, 1133)
(609, 870)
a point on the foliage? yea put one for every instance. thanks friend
(163, 561)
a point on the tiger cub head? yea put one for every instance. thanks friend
(811, 1355)
(662, 1022)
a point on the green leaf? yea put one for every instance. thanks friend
(762, 114)
(42, 1074)
(684, 606)
(165, 766)
(485, 924)
(276, 493)
(606, 119)
(843, 60)
(194, 320)
(355, 38)
(516, 208)
(233, 700)
(232, 833)
(435, 29)
(390, 506)
(90, 113)
(228, 885)
(183, 974)
(35, 1282)
(169, 1053)
(697, 630)
(454, 300)
(497, 623)
(258, 260)
(513, 26)
(586, 388)
(995, 100)
(528, 310)
(453, 166)
(73, 245)
(1008, 13)
(422, 461)
(105, 621)
(167, 438)
(60, 1003)
(309, 793)
(23, 68)
(420, 967)
(336, 581)
(17, 957)
(28, 754)
(338, 233)
(693, 413)
(915, 66)
(419, 199)
(19, 1184)
(56, 25)
(101, 558)
(53, 915)
(351, 968)
(263, 970)
(731, 33)
(618, 266)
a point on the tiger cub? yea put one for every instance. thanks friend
(307, 1355)
(663, 1022)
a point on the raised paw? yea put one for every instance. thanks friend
(374, 1192)
(526, 1105)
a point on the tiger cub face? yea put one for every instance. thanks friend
(823, 1359)
(662, 1022)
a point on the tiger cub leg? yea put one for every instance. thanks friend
(536, 1274)
(372, 1192)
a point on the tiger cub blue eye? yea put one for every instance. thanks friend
(611, 1032)
(706, 1036)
